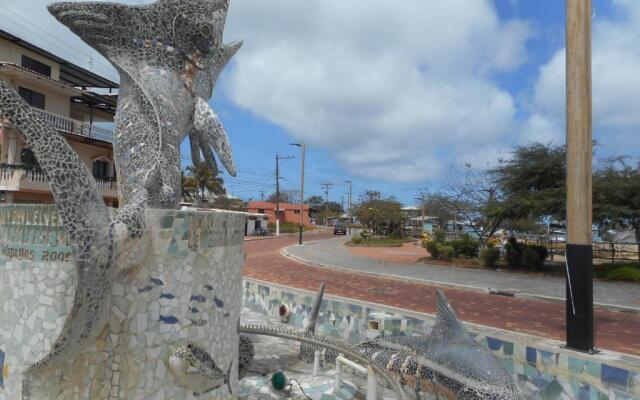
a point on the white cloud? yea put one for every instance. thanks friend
(616, 84)
(387, 88)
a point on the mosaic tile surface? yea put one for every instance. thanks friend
(188, 288)
(540, 373)
(168, 55)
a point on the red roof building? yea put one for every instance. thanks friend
(288, 212)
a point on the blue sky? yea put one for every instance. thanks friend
(392, 94)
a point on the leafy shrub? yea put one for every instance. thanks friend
(356, 239)
(624, 274)
(520, 255)
(432, 248)
(514, 252)
(465, 246)
(490, 256)
(531, 259)
(446, 252)
(439, 236)
(542, 251)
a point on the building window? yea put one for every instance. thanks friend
(34, 99)
(260, 210)
(296, 211)
(36, 66)
(101, 169)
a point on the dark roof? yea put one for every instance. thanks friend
(69, 72)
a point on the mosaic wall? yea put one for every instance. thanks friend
(186, 291)
(541, 372)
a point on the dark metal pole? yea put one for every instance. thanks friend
(303, 149)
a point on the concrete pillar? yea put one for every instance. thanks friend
(186, 287)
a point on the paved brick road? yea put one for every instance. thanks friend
(614, 330)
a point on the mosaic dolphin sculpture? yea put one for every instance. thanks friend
(448, 362)
(169, 55)
(307, 351)
(93, 232)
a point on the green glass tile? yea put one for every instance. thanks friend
(552, 391)
(166, 222)
(576, 364)
(507, 348)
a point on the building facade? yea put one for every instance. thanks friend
(288, 212)
(76, 102)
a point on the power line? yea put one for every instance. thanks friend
(54, 44)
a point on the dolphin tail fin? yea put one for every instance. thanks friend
(447, 327)
(315, 311)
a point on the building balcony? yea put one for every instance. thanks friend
(29, 179)
(74, 127)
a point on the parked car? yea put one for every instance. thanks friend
(261, 231)
(339, 229)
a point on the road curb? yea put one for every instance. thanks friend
(478, 289)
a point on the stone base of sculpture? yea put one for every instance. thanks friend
(184, 289)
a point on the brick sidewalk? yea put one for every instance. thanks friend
(615, 331)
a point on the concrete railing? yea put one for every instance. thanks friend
(69, 125)
(11, 177)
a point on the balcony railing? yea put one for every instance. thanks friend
(32, 174)
(75, 127)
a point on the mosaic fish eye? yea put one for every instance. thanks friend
(206, 30)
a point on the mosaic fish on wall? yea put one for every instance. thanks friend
(168, 55)
(192, 367)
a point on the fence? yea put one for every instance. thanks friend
(602, 252)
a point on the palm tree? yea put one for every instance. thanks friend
(205, 179)
(188, 187)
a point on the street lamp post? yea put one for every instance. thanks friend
(303, 149)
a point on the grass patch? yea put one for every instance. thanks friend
(617, 271)
(288, 227)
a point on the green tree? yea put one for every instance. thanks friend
(474, 197)
(206, 180)
(381, 216)
(286, 196)
(223, 202)
(315, 201)
(616, 195)
(188, 187)
(533, 181)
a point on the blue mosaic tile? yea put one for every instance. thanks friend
(614, 376)
(494, 344)
(531, 355)
(583, 392)
(1, 368)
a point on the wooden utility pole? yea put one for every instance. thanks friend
(278, 158)
(349, 205)
(303, 149)
(326, 187)
(579, 307)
